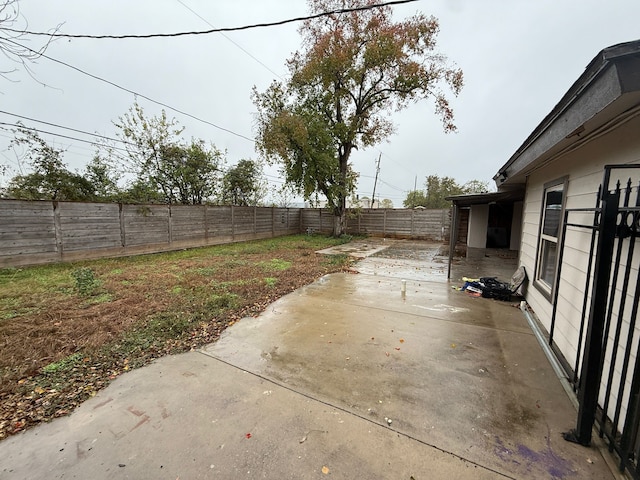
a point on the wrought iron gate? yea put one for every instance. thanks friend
(606, 372)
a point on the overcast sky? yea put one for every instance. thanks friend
(518, 57)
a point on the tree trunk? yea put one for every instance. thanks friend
(340, 211)
(338, 223)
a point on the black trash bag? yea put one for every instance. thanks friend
(493, 288)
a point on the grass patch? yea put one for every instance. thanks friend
(275, 264)
(60, 366)
(219, 303)
(99, 298)
(68, 329)
(340, 259)
(151, 335)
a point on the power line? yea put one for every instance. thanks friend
(392, 186)
(67, 128)
(228, 38)
(37, 130)
(96, 77)
(218, 30)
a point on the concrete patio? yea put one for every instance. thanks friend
(346, 378)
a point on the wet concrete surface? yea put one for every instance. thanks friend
(347, 378)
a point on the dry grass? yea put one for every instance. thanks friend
(67, 330)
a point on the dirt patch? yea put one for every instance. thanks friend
(66, 331)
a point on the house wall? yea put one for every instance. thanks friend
(584, 168)
(478, 219)
(516, 226)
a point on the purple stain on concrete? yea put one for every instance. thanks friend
(557, 467)
(505, 454)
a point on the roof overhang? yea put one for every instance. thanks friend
(607, 93)
(487, 198)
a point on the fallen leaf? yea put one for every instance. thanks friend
(398, 348)
(248, 435)
(39, 390)
(402, 340)
(386, 353)
(453, 345)
(325, 470)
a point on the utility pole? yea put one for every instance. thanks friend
(373, 197)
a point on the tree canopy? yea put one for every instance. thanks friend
(353, 70)
(49, 179)
(437, 189)
(243, 184)
(165, 166)
(158, 167)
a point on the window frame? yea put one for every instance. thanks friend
(544, 240)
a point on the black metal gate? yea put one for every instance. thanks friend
(606, 372)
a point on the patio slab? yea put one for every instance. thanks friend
(346, 378)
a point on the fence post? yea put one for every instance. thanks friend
(170, 225)
(412, 227)
(346, 221)
(123, 237)
(57, 226)
(255, 220)
(591, 372)
(233, 223)
(273, 222)
(206, 224)
(384, 223)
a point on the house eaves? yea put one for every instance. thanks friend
(606, 94)
(467, 200)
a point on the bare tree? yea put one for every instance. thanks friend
(13, 34)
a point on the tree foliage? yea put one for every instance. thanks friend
(437, 189)
(386, 203)
(166, 167)
(243, 184)
(49, 178)
(476, 186)
(353, 70)
(104, 179)
(415, 198)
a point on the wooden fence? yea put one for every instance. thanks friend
(38, 232)
(34, 232)
(399, 223)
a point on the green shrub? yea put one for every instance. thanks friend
(86, 281)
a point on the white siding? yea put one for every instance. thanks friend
(584, 168)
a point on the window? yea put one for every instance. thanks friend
(550, 229)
